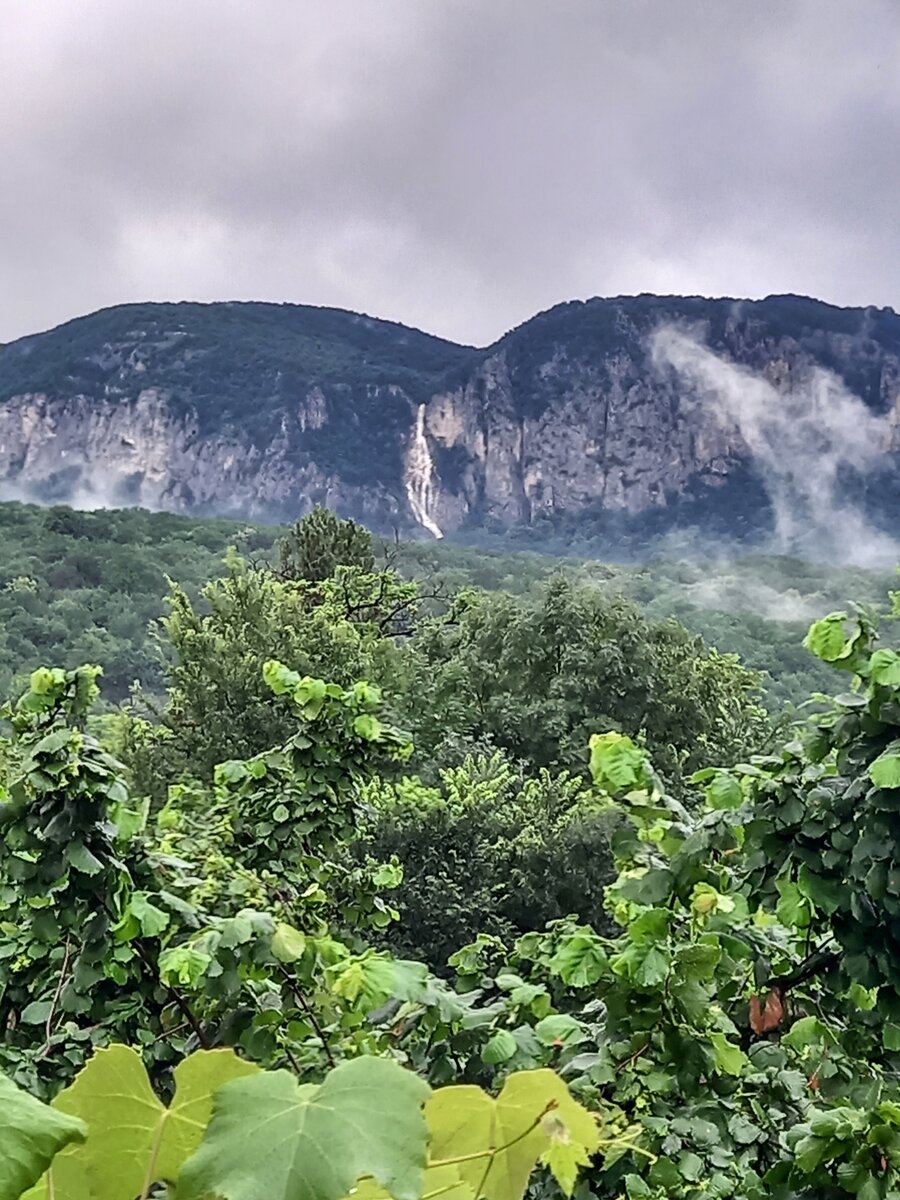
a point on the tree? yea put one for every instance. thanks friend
(321, 542)
(218, 705)
(488, 850)
(536, 677)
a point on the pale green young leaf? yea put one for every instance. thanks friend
(564, 1157)
(826, 638)
(288, 943)
(464, 1120)
(133, 1139)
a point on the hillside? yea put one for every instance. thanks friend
(86, 587)
(772, 422)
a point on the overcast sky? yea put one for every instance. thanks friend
(454, 164)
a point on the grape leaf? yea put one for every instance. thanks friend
(438, 1182)
(564, 1157)
(270, 1136)
(464, 1120)
(112, 1094)
(31, 1133)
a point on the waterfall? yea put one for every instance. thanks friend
(420, 488)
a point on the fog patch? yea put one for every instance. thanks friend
(802, 440)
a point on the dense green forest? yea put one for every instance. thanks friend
(414, 871)
(87, 587)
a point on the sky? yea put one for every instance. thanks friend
(457, 165)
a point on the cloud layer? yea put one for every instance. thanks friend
(454, 164)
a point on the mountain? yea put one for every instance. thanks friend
(645, 412)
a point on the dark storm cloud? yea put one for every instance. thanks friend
(454, 164)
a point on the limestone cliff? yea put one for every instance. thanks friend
(266, 410)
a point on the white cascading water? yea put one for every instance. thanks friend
(420, 489)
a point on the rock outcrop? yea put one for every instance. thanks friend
(266, 410)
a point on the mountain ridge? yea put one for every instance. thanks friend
(581, 412)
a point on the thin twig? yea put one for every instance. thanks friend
(630, 1059)
(305, 1005)
(48, 1028)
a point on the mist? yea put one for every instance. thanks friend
(802, 441)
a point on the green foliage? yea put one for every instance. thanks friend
(235, 1132)
(219, 704)
(825, 809)
(80, 587)
(537, 677)
(487, 850)
(30, 1135)
(713, 1012)
(321, 542)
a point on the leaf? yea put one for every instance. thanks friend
(464, 1120)
(616, 763)
(267, 1132)
(112, 1094)
(580, 960)
(288, 943)
(183, 964)
(367, 727)
(884, 668)
(652, 887)
(560, 1030)
(885, 770)
(792, 909)
(151, 919)
(763, 1019)
(501, 1047)
(82, 859)
(891, 1037)
(724, 791)
(729, 1059)
(653, 969)
(36, 1013)
(563, 1158)
(698, 962)
(826, 638)
(31, 1133)
(370, 979)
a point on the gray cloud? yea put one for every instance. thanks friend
(453, 164)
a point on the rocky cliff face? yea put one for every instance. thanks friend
(632, 407)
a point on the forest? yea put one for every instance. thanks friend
(332, 868)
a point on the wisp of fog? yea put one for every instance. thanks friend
(800, 439)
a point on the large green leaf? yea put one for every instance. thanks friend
(132, 1137)
(531, 1117)
(827, 638)
(580, 959)
(31, 1133)
(885, 770)
(274, 1138)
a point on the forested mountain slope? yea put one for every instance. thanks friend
(86, 586)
